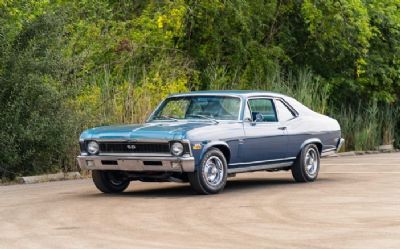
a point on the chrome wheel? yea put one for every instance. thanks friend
(213, 171)
(211, 175)
(311, 162)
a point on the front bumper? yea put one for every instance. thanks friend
(139, 164)
(340, 144)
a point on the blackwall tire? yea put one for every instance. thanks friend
(109, 181)
(211, 176)
(307, 164)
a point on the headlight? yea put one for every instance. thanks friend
(177, 149)
(93, 147)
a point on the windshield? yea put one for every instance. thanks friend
(199, 107)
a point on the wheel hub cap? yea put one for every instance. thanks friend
(311, 162)
(213, 171)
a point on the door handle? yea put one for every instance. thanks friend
(282, 128)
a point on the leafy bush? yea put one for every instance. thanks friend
(69, 65)
(34, 123)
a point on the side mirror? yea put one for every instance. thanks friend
(248, 120)
(251, 122)
(259, 117)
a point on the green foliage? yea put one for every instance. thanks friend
(69, 65)
(136, 58)
(234, 42)
(367, 126)
(34, 133)
(382, 78)
(302, 85)
(355, 46)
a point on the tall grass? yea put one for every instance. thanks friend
(364, 127)
(360, 126)
(367, 126)
(126, 99)
(302, 85)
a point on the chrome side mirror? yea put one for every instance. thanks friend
(259, 117)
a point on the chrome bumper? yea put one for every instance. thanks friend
(340, 144)
(140, 164)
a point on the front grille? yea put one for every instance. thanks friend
(133, 147)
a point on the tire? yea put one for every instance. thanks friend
(211, 175)
(307, 164)
(109, 181)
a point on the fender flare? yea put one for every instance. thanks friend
(209, 145)
(312, 141)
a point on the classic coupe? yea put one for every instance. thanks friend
(203, 137)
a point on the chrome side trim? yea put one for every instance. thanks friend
(264, 161)
(260, 167)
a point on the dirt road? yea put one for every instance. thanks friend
(354, 204)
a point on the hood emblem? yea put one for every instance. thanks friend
(131, 146)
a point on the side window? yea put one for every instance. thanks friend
(284, 113)
(265, 107)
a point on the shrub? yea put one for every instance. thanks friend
(34, 134)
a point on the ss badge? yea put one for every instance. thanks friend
(131, 146)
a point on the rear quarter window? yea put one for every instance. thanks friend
(284, 113)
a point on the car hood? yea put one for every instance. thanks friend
(147, 131)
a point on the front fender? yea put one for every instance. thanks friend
(205, 146)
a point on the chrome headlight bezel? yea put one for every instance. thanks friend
(92, 147)
(177, 149)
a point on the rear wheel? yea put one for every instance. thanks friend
(110, 181)
(210, 177)
(307, 164)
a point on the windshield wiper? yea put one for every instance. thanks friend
(204, 117)
(166, 117)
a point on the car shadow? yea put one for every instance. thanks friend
(256, 183)
(184, 190)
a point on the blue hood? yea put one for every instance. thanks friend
(154, 130)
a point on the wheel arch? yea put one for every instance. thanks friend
(222, 146)
(315, 141)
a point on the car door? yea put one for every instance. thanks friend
(265, 138)
(290, 123)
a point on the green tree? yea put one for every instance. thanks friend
(34, 135)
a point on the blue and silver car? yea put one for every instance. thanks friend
(204, 137)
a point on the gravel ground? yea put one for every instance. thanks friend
(354, 204)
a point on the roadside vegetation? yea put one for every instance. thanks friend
(69, 65)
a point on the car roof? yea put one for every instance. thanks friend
(242, 93)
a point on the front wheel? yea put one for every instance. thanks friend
(210, 177)
(109, 181)
(307, 164)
